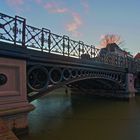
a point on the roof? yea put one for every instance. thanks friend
(137, 56)
(112, 47)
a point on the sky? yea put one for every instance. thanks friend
(84, 20)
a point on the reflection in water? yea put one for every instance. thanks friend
(63, 117)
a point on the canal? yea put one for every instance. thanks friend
(60, 116)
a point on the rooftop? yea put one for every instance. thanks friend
(137, 56)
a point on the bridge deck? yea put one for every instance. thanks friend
(38, 57)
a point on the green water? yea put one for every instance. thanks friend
(63, 117)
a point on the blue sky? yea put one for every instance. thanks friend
(85, 20)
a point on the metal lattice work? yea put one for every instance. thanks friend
(56, 44)
(43, 79)
(12, 29)
(33, 37)
(15, 30)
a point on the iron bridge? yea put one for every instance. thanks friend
(54, 61)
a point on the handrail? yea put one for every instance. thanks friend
(15, 30)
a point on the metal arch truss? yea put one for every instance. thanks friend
(43, 79)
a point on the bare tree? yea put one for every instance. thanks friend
(109, 39)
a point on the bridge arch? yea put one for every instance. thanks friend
(55, 77)
(96, 82)
(66, 74)
(37, 78)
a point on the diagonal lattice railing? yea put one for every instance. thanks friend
(15, 30)
(12, 29)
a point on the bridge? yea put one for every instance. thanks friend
(36, 61)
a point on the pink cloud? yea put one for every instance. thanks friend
(60, 10)
(38, 1)
(85, 5)
(15, 2)
(74, 25)
(77, 34)
(49, 5)
(55, 8)
(16, 5)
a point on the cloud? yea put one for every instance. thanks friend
(60, 10)
(74, 25)
(16, 5)
(53, 7)
(38, 1)
(15, 2)
(85, 5)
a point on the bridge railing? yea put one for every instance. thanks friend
(137, 64)
(16, 31)
(44, 40)
(112, 59)
(12, 29)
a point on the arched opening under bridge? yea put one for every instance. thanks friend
(90, 85)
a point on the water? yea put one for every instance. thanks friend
(63, 117)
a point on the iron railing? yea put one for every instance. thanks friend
(16, 31)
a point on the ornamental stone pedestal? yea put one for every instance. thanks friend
(14, 107)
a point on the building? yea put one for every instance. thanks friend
(114, 49)
(137, 56)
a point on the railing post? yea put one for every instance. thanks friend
(91, 47)
(15, 30)
(81, 43)
(42, 39)
(66, 45)
(94, 50)
(79, 49)
(82, 47)
(45, 39)
(23, 32)
(63, 45)
(49, 41)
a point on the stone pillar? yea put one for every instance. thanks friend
(5, 133)
(130, 89)
(14, 107)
